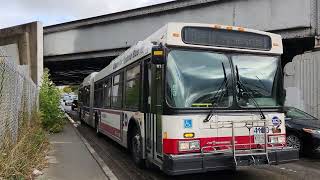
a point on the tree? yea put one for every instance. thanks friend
(75, 88)
(67, 89)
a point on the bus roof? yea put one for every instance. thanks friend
(139, 50)
(87, 80)
(171, 35)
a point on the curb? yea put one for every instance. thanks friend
(106, 170)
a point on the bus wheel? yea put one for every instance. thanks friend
(80, 117)
(97, 125)
(136, 147)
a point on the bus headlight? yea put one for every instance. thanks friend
(189, 145)
(277, 139)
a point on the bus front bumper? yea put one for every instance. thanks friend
(199, 163)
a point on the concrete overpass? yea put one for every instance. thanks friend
(74, 49)
(24, 45)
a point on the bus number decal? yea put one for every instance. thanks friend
(260, 130)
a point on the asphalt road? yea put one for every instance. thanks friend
(118, 160)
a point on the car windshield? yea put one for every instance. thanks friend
(261, 78)
(294, 113)
(204, 79)
(194, 78)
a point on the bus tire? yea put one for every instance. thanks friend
(80, 116)
(96, 124)
(136, 147)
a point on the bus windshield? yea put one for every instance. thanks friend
(204, 79)
(261, 79)
(194, 79)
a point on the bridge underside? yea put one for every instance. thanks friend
(72, 72)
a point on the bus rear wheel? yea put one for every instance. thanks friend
(136, 147)
(80, 117)
(96, 124)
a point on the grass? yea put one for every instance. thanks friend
(19, 158)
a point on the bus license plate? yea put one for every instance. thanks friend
(259, 139)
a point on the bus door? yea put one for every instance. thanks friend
(91, 102)
(154, 111)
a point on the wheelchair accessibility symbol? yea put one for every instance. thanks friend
(187, 123)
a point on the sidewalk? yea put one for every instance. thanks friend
(70, 159)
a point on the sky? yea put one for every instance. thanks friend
(49, 12)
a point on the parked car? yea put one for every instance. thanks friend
(303, 130)
(66, 97)
(68, 102)
(74, 104)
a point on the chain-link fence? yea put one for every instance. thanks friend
(18, 95)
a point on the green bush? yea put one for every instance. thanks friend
(53, 119)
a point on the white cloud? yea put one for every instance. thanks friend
(49, 12)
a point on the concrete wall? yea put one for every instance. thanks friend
(24, 44)
(13, 50)
(302, 81)
(268, 15)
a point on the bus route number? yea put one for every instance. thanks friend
(260, 130)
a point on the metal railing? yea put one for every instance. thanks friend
(18, 95)
(249, 149)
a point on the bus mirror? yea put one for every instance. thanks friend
(157, 55)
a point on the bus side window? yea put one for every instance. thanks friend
(117, 88)
(132, 87)
(107, 93)
(87, 96)
(98, 95)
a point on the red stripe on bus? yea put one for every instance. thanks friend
(171, 146)
(108, 111)
(111, 130)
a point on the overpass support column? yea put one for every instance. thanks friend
(317, 37)
(24, 43)
(318, 18)
(317, 42)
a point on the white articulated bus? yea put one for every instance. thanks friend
(194, 98)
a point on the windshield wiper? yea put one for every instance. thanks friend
(223, 85)
(242, 87)
(265, 88)
(219, 98)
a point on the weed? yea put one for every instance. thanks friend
(18, 158)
